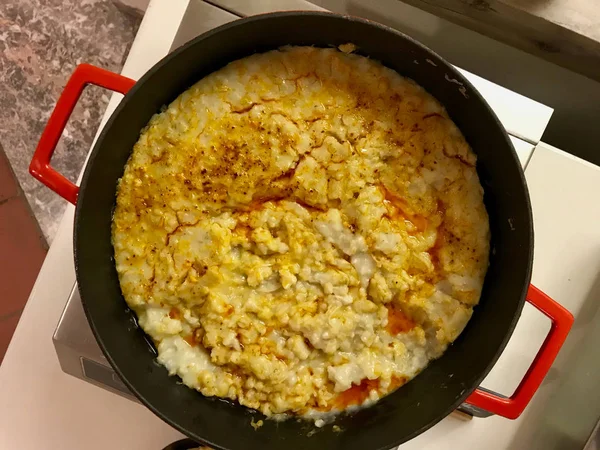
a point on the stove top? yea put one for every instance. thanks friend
(524, 119)
(78, 352)
(76, 347)
(561, 415)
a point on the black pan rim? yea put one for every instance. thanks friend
(454, 72)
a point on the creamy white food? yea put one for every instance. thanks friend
(301, 231)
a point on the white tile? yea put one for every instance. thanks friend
(564, 194)
(521, 116)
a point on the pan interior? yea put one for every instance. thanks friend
(423, 401)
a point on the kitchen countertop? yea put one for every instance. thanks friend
(40, 44)
(69, 413)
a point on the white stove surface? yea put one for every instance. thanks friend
(68, 413)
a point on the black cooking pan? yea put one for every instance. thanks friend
(415, 407)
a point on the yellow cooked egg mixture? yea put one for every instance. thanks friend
(301, 231)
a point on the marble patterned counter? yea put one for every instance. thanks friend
(41, 42)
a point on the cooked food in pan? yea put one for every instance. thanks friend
(301, 231)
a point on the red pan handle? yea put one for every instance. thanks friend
(83, 75)
(512, 407)
(40, 168)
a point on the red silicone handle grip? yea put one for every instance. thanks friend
(512, 407)
(83, 75)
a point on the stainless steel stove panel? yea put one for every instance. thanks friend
(78, 352)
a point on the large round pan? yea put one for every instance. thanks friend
(439, 389)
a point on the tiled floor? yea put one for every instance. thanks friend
(22, 251)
